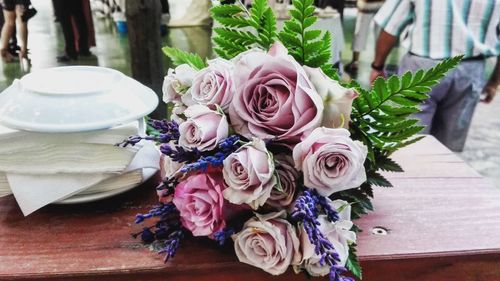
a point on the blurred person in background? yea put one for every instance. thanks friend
(76, 23)
(439, 30)
(366, 11)
(338, 5)
(16, 14)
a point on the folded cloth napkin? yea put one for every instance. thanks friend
(51, 153)
(67, 158)
(32, 192)
(115, 182)
(108, 182)
(4, 185)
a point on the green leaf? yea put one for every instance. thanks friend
(179, 57)
(378, 180)
(306, 45)
(226, 10)
(353, 263)
(241, 29)
(381, 116)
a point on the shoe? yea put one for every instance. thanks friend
(86, 53)
(352, 67)
(24, 61)
(7, 57)
(66, 58)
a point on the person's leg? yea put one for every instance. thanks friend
(81, 25)
(455, 111)
(22, 29)
(428, 108)
(7, 30)
(67, 29)
(359, 39)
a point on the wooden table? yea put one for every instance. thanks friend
(443, 223)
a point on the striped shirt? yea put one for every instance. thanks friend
(440, 29)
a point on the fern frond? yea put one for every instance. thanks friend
(309, 47)
(246, 29)
(381, 114)
(180, 57)
(352, 263)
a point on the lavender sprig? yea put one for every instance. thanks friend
(222, 235)
(162, 210)
(203, 163)
(230, 144)
(336, 274)
(331, 213)
(172, 244)
(166, 127)
(166, 131)
(179, 154)
(306, 210)
(225, 148)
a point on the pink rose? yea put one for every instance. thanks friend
(330, 160)
(283, 195)
(268, 242)
(214, 84)
(338, 233)
(248, 173)
(203, 129)
(201, 204)
(337, 99)
(274, 98)
(177, 82)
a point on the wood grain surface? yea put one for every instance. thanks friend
(442, 221)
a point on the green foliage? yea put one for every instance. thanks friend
(180, 57)
(382, 114)
(241, 29)
(385, 163)
(381, 120)
(308, 46)
(353, 263)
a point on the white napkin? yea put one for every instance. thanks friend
(32, 192)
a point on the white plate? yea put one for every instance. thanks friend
(74, 99)
(147, 173)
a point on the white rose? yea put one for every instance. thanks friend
(283, 196)
(338, 233)
(203, 129)
(268, 242)
(337, 99)
(177, 82)
(214, 84)
(248, 173)
(178, 113)
(169, 167)
(330, 160)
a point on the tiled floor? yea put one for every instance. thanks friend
(45, 41)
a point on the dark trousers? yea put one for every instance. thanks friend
(68, 11)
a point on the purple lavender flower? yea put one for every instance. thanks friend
(225, 148)
(165, 132)
(223, 235)
(162, 210)
(307, 209)
(172, 244)
(179, 154)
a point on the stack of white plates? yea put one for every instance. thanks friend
(63, 123)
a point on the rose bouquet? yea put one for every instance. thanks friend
(266, 148)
